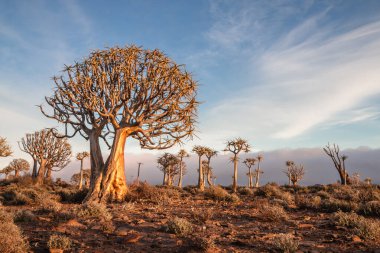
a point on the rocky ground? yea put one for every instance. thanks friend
(157, 219)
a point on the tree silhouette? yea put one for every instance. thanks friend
(5, 149)
(250, 162)
(18, 165)
(47, 151)
(295, 173)
(181, 154)
(289, 164)
(339, 162)
(235, 147)
(81, 156)
(200, 151)
(124, 92)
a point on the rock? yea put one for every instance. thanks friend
(305, 225)
(132, 238)
(356, 238)
(122, 231)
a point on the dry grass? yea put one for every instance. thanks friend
(11, 239)
(271, 212)
(59, 242)
(93, 211)
(286, 243)
(219, 194)
(179, 226)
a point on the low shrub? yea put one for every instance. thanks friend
(362, 227)
(272, 191)
(285, 243)
(179, 226)
(268, 212)
(219, 194)
(201, 216)
(309, 202)
(155, 195)
(371, 208)
(200, 243)
(24, 216)
(73, 195)
(245, 191)
(93, 210)
(59, 242)
(333, 205)
(11, 239)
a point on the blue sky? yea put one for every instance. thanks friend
(282, 74)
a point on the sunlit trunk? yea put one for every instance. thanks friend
(81, 175)
(234, 184)
(180, 174)
(48, 173)
(201, 185)
(250, 183)
(257, 179)
(209, 180)
(41, 173)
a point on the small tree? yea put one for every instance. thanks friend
(250, 162)
(295, 173)
(5, 149)
(235, 147)
(208, 173)
(339, 162)
(75, 178)
(46, 150)
(81, 156)
(181, 154)
(200, 151)
(258, 172)
(18, 165)
(355, 180)
(168, 164)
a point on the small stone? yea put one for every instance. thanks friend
(356, 238)
(305, 226)
(122, 231)
(132, 238)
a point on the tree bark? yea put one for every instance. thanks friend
(48, 173)
(234, 184)
(17, 173)
(113, 185)
(165, 180)
(250, 182)
(34, 172)
(201, 185)
(81, 175)
(209, 181)
(41, 173)
(180, 175)
(257, 179)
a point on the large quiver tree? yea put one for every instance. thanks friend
(128, 92)
(339, 162)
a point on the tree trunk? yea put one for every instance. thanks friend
(180, 175)
(209, 181)
(201, 185)
(34, 172)
(41, 173)
(81, 175)
(234, 184)
(48, 173)
(169, 177)
(257, 179)
(250, 183)
(164, 181)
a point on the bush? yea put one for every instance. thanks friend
(286, 243)
(72, 196)
(333, 205)
(274, 192)
(59, 242)
(11, 239)
(219, 194)
(155, 195)
(245, 191)
(362, 227)
(201, 216)
(200, 243)
(24, 216)
(268, 212)
(308, 202)
(371, 208)
(179, 226)
(93, 210)
(48, 205)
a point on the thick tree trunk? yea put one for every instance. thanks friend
(34, 172)
(113, 185)
(257, 179)
(81, 175)
(250, 183)
(165, 180)
(41, 173)
(201, 185)
(169, 177)
(234, 184)
(180, 175)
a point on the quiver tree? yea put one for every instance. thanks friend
(168, 164)
(18, 165)
(181, 154)
(235, 147)
(295, 173)
(200, 151)
(81, 156)
(250, 162)
(47, 151)
(339, 162)
(258, 172)
(125, 92)
(208, 172)
(368, 181)
(5, 149)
